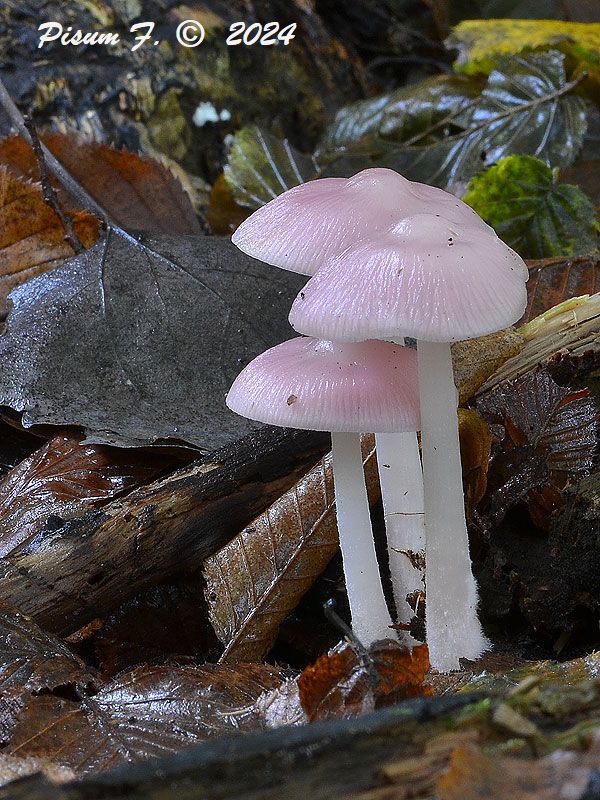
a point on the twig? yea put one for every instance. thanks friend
(48, 191)
(53, 164)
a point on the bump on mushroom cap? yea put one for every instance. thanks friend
(315, 384)
(427, 278)
(305, 226)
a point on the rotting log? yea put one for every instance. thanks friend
(79, 569)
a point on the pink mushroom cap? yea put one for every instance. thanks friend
(426, 278)
(314, 384)
(302, 228)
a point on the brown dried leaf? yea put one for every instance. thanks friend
(474, 360)
(223, 214)
(147, 713)
(547, 433)
(31, 660)
(475, 451)
(344, 682)
(138, 193)
(65, 478)
(31, 234)
(554, 280)
(260, 576)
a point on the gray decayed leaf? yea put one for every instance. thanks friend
(261, 166)
(138, 340)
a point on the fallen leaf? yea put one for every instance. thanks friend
(147, 713)
(260, 166)
(32, 661)
(548, 433)
(526, 106)
(66, 478)
(480, 43)
(475, 360)
(138, 193)
(32, 237)
(556, 280)
(521, 198)
(224, 214)
(345, 682)
(146, 338)
(261, 575)
(475, 451)
(12, 768)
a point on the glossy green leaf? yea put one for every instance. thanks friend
(526, 106)
(403, 114)
(260, 166)
(537, 216)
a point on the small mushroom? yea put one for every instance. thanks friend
(298, 231)
(346, 389)
(437, 281)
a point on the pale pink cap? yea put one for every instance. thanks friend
(427, 278)
(302, 228)
(313, 384)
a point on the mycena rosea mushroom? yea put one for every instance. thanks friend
(437, 281)
(346, 389)
(299, 231)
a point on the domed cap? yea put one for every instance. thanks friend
(302, 228)
(315, 384)
(426, 278)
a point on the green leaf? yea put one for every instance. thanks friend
(533, 213)
(526, 106)
(404, 113)
(481, 42)
(260, 166)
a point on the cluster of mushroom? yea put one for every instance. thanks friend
(389, 259)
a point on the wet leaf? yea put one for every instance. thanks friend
(538, 217)
(31, 660)
(261, 575)
(405, 113)
(526, 106)
(147, 713)
(146, 338)
(344, 682)
(138, 193)
(66, 478)
(260, 166)
(32, 237)
(556, 280)
(548, 433)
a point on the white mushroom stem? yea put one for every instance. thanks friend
(401, 480)
(370, 615)
(453, 629)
